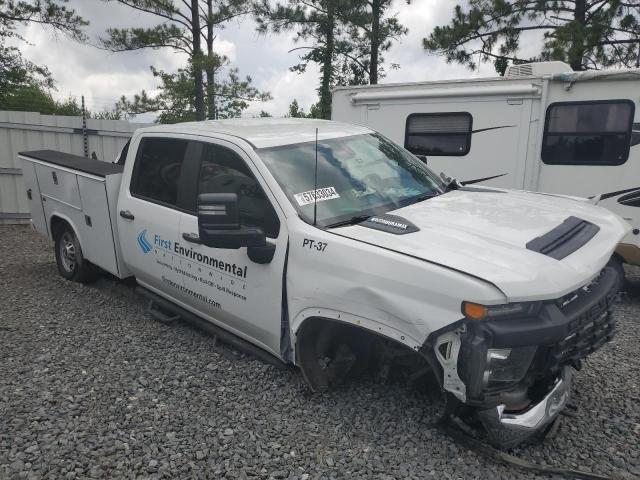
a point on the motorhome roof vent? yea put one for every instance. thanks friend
(537, 69)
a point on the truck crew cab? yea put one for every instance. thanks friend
(320, 241)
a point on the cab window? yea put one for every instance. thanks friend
(223, 171)
(157, 170)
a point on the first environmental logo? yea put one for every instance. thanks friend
(143, 242)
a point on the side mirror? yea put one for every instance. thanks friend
(219, 227)
(219, 223)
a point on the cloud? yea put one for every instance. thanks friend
(102, 77)
(83, 69)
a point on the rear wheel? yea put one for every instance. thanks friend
(71, 263)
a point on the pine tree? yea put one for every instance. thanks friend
(374, 32)
(15, 71)
(324, 24)
(587, 34)
(176, 102)
(295, 111)
(181, 29)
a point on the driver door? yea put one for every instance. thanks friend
(226, 286)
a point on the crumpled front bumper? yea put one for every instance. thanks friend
(511, 429)
(558, 336)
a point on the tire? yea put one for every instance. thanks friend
(71, 263)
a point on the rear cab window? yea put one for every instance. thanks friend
(157, 171)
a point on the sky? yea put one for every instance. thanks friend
(102, 77)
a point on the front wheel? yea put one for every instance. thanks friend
(616, 264)
(71, 263)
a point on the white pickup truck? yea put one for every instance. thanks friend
(325, 244)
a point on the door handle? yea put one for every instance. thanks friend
(126, 214)
(192, 237)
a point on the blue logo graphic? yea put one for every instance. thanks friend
(143, 242)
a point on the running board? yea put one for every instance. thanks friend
(206, 326)
(156, 313)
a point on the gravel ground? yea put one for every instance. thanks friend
(92, 387)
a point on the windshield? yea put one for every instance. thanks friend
(358, 176)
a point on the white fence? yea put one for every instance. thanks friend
(22, 131)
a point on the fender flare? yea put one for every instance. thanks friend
(56, 215)
(372, 326)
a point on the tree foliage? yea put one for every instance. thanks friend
(345, 38)
(587, 34)
(317, 22)
(296, 111)
(16, 72)
(184, 25)
(323, 25)
(36, 98)
(373, 32)
(176, 102)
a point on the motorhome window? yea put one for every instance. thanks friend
(223, 171)
(446, 134)
(588, 133)
(157, 170)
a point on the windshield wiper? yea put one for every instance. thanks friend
(350, 221)
(361, 218)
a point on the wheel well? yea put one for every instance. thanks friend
(329, 352)
(617, 257)
(56, 224)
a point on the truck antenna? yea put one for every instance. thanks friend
(315, 185)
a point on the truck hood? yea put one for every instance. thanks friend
(484, 233)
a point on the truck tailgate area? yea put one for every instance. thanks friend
(81, 191)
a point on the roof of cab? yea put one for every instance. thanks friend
(265, 132)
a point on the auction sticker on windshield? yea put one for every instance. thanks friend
(319, 195)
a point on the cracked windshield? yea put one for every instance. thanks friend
(358, 176)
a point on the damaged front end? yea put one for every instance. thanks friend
(512, 365)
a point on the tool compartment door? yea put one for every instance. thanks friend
(33, 195)
(58, 184)
(99, 239)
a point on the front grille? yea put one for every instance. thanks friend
(591, 323)
(586, 339)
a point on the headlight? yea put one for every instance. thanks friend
(507, 365)
(475, 311)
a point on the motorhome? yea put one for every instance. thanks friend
(541, 127)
